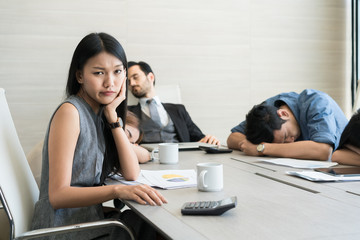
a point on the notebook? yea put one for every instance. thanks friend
(183, 146)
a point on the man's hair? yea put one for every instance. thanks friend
(261, 121)
(351, 133)
(144, 67)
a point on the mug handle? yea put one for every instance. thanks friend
(153, 152)
(201, 179)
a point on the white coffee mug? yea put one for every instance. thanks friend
(168, 153)
(209, 176)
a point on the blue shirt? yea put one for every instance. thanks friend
(320, 118)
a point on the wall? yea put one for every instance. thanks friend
(225, 55)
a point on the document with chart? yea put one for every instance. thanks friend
(171, 179)
(165, 179)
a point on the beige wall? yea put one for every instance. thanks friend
(226, 55)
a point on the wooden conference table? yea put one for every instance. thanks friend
(270, 203)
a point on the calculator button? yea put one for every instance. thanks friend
(189, 205)
(197, 204)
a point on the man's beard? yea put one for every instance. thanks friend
(140, 94)
(141, 90)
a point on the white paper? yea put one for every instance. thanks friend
(165, 179)
(298, 163)
(170, 179)
(140, 180)
(322, 177)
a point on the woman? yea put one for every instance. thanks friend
(85, 142)
(348, 151)
(134, 135)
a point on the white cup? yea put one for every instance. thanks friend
(168, 153)
(209, 177)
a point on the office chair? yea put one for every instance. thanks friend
(34, 158)
(18, 189)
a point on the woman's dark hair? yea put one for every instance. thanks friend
(351, 133)
(261, 121)
(90, 46)
(133, 120)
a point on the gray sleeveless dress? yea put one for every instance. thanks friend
(86, 171)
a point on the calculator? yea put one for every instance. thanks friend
(209, 207)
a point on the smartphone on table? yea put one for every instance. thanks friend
(341, 171)
(215, 149)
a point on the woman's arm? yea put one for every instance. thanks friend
(353, 148)
(142, 154)
(129, 164)
(346, 156)
(63, 136)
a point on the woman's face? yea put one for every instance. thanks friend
(132, 133)
(101, 79)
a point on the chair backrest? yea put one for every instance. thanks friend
(166, 93)
(17, 183)
(34, 158)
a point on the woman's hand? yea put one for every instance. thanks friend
(110, 109)
(142, 194)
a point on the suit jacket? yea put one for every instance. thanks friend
(186, 129)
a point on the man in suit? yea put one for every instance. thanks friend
(160, 122)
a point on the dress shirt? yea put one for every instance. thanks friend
(318, 115)
(164, 117)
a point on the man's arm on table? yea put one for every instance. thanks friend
(235, 139)
(301, 149)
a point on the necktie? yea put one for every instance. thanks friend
(154, 114)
